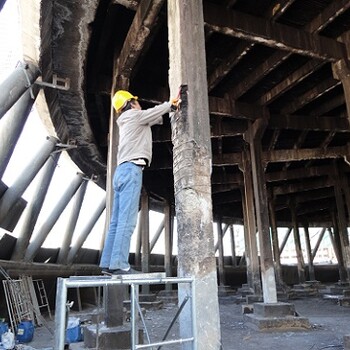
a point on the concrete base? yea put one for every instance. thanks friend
(276, 316)
(112, 338)
(346, 342)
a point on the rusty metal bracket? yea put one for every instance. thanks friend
(57, 83)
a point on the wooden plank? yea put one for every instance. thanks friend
(275, 35)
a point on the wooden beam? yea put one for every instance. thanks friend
(275, 35)
(277, 156)
(328, 15)
(290, 81)
(306, 122)
(230, 61)
(259, 73)
(317, 91)
(301, 187)
(140, 32)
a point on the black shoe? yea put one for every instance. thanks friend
(105, 271)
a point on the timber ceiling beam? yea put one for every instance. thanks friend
(296, 174)
(230, 61)
(259, 73)
(139, 35)
(302, 122)
(301, 187)
(290, 81)
(328, 15)
(287, 155)
(230, 127)
(279, 36)
(311, 95)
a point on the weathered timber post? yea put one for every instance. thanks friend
(192, 170)
(233, 246)
(253, 136)
(309, 253)
(168, 242)
(145, 257)
(297, 243)
(337, 248)
(342, 227)
(252, 257)
(275, 241)
(221, 254)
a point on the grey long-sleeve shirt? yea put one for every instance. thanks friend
(135, 134)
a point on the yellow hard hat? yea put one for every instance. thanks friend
(120, 98)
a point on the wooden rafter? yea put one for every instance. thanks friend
(274, 35)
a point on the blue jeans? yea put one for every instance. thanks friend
(127, 183)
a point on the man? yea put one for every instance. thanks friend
(134, 153)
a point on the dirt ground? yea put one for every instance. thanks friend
(329, 321)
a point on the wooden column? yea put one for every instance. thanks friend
(309, 253)
(145, 257)
(341, 220)
(275, 241)
(297, 243)
(192, 171)
(338, 249)
(253, 136)
(233, 246)
(168, 243)
(221, 254)
(252, 258)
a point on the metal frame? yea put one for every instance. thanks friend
(134, 282)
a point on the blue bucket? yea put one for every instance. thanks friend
(25, 332)
(3, 328)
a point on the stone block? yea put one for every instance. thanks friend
(278, 309)
(286, 323)
(112, 338)
(253, 299)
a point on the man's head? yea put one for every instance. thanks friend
(124, 100)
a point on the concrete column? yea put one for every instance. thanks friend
(11, 127)
(275, 241)
(72, 222)
(52, 218)
(192, 172)
(14, 193)
(233, 246)
(252, 257)
(221, 254)
(297, 243)
(74, 250)
(253, 136)
(33, 209)
(16, 84)
(309, 253)
(146, 256)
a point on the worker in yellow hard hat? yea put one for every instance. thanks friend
(134, 154)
